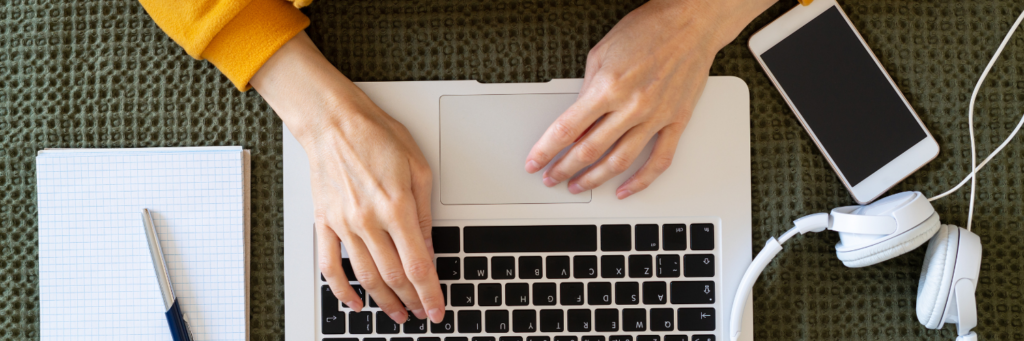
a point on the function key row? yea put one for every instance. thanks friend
(558, 267)
(574, 294)
(573, 238)
(538, 338)
(529, 321)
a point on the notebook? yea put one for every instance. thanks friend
(96, 279)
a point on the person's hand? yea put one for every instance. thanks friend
(371, 184)
(642, 79)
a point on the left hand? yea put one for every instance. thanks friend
(644, 78)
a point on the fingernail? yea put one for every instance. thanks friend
(575, 189)
(397, 317)
(419, 314)
(355, 305)
(532, 167)
(436, 315)
(548, 181)
(623, 194)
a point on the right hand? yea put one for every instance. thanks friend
(371, 184)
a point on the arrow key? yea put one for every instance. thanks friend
(654, 293)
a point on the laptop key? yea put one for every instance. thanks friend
(673, 237)
(428, 339)
(640, 266)
(463, 295)
(538, 338)
(448, 268)
(695, 292)
(654, 293)
(578, 320)
(360, 323)
(359, 291)
(662, 319)
(702, 236)
(699, 265)
(634, 320)
(503, 267)
(530, 267)
(414, 325)
(524, 321)
(450, 338)
(703, 338)
(565, 338)
(668, 266)
(557, 266)
(606, 320)
(444, 294)
(545, 294)
(675, 337)
(648, 338)
(584, 267)
(696, 319)
(572, 293)
(615, 238)
(332, 320)
(385, 325)
(517, 239)
(627, 293)
(551, 320)
(490, 294)
(476, 267)
(517, 294)
(469, 321)
(447, 325)
(620, 338)
(446, 239)
(483, 338)
(593, 338)
(496, 321)
(646, 237)
(599, 293)
(613, 266)
(510, 338)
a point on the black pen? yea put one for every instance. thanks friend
(176, 318)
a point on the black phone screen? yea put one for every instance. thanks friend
(843, 96)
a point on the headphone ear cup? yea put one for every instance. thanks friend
(898, 245)
(937, 276)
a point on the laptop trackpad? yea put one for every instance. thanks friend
(484, 143)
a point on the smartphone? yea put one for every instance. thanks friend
(845, 100)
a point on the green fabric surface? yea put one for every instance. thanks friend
(101, 74)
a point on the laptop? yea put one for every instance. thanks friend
(522, 262)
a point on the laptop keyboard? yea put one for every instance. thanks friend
(612, 282)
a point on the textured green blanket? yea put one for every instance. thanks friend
(101, 74)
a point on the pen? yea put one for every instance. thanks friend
(176, 318)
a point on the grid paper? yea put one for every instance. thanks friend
(96, 276)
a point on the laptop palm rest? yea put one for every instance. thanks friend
(484, 143)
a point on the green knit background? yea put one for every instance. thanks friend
(100, 74)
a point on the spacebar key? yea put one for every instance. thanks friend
(545, 238)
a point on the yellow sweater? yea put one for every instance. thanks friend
(237, 36)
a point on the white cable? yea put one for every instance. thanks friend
(970, 125)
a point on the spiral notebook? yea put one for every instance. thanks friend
(96, 279)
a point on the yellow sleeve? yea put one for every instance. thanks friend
(236, 36)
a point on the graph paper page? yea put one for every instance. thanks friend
(96, 276)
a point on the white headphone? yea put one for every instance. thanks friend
(887, 228)
(897, 224)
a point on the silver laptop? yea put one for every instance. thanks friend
(661, 265)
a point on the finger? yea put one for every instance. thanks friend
(588, 149)
(422, 182)
(660, 160)
(417, 261)
(617, 161)
(564, 131)
(366, 271)
(329, 255)
(391, 270)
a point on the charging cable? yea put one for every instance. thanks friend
(970, 125)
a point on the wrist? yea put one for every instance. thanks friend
(721, 20)
(305, 90)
